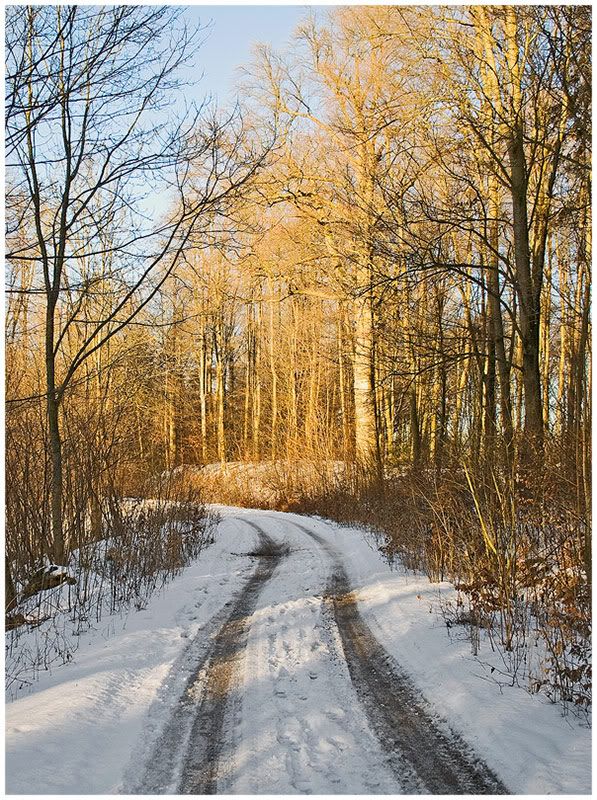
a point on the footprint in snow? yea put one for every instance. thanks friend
(337, 743)
(336, 714)
(289, 739)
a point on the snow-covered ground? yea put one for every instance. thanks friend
(90, 726)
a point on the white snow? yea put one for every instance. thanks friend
(86, 717)
(56, 569)
(86, 726)
(524, 738)
(302, 729)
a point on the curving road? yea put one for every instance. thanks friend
(288, 691)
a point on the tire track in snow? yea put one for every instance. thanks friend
(438, 761)
(197, 726)
(302, 731)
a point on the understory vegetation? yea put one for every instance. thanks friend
(519, 552)
(363, 292)
(138, 546)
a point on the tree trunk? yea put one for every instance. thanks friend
(220, 394)
(10, 594)
(293, 380)
(366, 440)
(415, 431)
(256, 411)
(528, 308)
(497, 327)
(53, 410)
(273, 373)
(346, 448)
(203, 387)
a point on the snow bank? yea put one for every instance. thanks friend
(523, 737)
(74, 730)
(77, 729)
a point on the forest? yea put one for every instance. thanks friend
(362, 292)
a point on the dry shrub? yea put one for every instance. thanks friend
(281, 485)
(517, 551)
(142, 544)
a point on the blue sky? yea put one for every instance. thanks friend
(233, 32)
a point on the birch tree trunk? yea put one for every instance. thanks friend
(366, 439)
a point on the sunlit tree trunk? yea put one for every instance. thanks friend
(497, 323)
(203, 360)
(366, 438)
(220, 390)
(273, 372)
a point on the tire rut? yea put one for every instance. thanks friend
(426, 755)
(198, 723)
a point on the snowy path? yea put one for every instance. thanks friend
(295, 694)
(295, 671)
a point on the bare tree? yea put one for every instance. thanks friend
(92, 145)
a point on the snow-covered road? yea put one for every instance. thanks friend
(308, 667)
